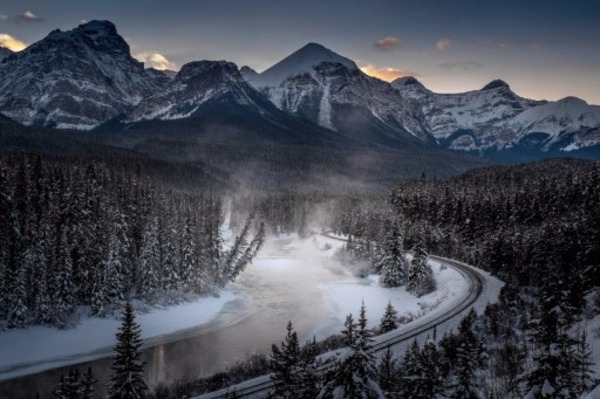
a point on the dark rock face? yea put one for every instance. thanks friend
(74, 79)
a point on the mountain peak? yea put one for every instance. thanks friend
(206, 69)
(496, 84)
(407, 81)
(571, 100)
(300, 62)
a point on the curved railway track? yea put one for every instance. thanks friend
(263, 384)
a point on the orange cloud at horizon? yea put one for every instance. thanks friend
(11, 42)
(388, 74)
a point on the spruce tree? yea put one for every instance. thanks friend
(392, 262)
(468, 360)
(430, 381)
(408, 370)
(386, 371)
(389, 321)
(69, 387)
(284, 363)
(354, 374)
(420, 278)
(87, 385)
(63, 296)
(554, 354)
(127, 380)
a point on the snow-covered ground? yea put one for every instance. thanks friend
(346, 296)
(305, 270)
(39, 348)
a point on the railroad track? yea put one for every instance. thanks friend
(263, 384)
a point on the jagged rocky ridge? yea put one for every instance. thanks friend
(75, 79)
(495, 118)
(86, 77)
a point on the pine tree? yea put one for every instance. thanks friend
(389, 321)
(430, 380)
(468, 359)
(87, 385)
(354, 374)
(310, 375)
(420, 278)
(63, 298)
(582, 365)
(127, 380)
(17, 312)
(148, 278)
(70, 387)
(285, 363)
(408, 370)
(392, 262)
(554, 355)
(386, 371)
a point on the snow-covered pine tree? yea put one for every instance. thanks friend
(148, 278)
(87, 384)
(63, 298)
(468, 360)
(285, 365)
(69, 387)
(430, 381)
(310, 375)
(389, 321)
(127, 380)
(553, 372)
(188, 265)
(392, 262)
(582, 367)
(18, 311)
(420, 279)
(354, 374)
(386, 372)
(408, 370)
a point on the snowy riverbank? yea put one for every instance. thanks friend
(291, 279)
(38, 348)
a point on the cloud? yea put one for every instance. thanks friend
(387, 73)
(28, 16)
(387, 43)
(155, 60)
(3, 17)
(504, 45)
(443, 43)
(462, 65)
(534, 46)
(11, 43)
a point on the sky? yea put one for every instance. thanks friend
(545, 49)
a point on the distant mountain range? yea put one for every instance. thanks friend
(86, 79)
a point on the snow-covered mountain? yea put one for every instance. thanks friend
(495, 118)
(569, 123)
(326, 88)
(74, 79)
(471, 120)
(86, 77)
(196, 83)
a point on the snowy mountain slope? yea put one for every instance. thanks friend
(569, 116)
(326, 88)
(480, 114)
(248, 73)
(211, 99)
(196, 83)
(74, 79)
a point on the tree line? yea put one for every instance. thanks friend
(535, 226)
(84, 234)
